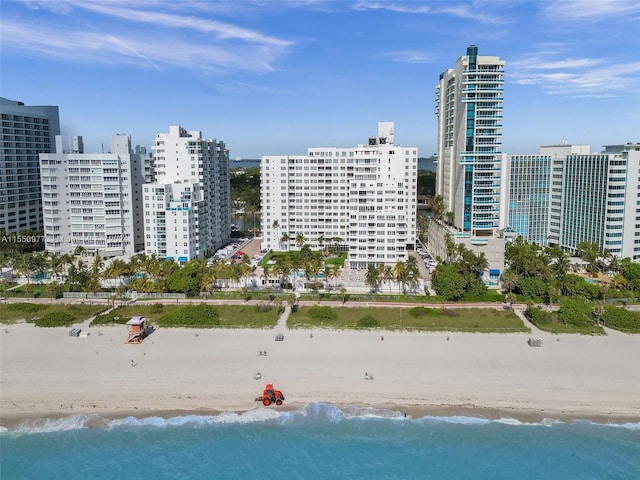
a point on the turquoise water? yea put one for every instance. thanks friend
(317, 442)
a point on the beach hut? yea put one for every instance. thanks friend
(136, 330)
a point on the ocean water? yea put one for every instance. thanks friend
(319, 441)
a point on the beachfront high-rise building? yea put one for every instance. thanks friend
(26, 132)
(469, 172)
(361, 200)
(595, 198)
(469, 110)
(92, 200)
(187, 210)
(525, 206)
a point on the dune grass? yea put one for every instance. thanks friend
(480, 320)
(30, 312)
(169, 315)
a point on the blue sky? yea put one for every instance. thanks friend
(276, 77)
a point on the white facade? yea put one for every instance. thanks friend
(188, 207)
(594, 198)
(361, 200)
(27, 131)
(92, 200)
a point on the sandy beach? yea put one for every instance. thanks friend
(45, 372)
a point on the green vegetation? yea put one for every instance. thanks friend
(193, 316)
(573, 317)
(55, 319)
(245, 189)
(264, 315)
(322, 314)
(368, 321)
(540, 274)
(40, 313)
(621, 319)
(418, 318)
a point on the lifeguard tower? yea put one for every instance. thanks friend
(136, 330)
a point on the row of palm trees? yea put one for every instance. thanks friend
(301, 240)
(405, 274)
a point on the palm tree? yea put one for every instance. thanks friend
(56, 265)
(590, 252)
(372, 277)
(209, 277)
(285, 239)
(401, 275)
(437, 207)
(266, 271)
(450, 218)
(413, 272)
(300, 240)
(509, 280)
(343, 292)
(285, 266)
(450, 246)
(388, 275)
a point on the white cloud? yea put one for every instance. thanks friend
(591, 10)
(86, 31)
(467, 11)
(134, 48)
(409, 56)
(394, 7)
(606, 81)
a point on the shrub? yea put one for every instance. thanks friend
(322, 314)
(156, 308)
(576, 311)
(451, 312)
(202, 315)
(108, 318)
(418, 312)
(263, 307)
(537, 316)
(622, 319)
(368, 321)
(25, 307)
(55, 319)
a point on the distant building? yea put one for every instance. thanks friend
(188, 207)
(26, 132)
(595, 198)
(361, 200)
(92, 200)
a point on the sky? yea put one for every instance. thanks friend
(272, 77)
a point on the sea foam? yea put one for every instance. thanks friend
(310, 413)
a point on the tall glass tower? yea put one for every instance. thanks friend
(27, 131)
(469, 110)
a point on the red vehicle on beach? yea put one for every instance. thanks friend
(270, 395)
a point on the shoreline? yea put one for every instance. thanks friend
(45, 373)
(11, 421)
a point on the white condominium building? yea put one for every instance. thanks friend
(361, 200)
(92, 200)
(595, 197)
(27, 131)
(187, 210)
(469, 111)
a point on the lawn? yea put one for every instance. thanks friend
(224, 316)
(419, 319)
(29, 312)
(559, 327)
